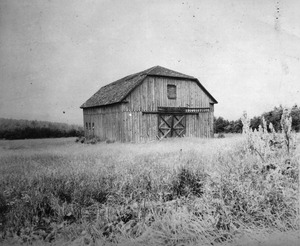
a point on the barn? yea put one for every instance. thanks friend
(153, 104)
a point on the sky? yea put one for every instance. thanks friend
(55, 54)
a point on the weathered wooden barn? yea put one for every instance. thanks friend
(152, 104)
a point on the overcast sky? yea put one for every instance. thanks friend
(55, 54)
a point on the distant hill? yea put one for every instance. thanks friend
(25, 129)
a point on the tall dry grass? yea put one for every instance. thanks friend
(173, 192)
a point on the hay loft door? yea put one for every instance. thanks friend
(171, 125)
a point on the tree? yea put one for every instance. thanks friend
(255, 122)
(295, 113)
(220, 124)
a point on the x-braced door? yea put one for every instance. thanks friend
(171, 125)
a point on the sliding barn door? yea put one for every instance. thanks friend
(171, 125)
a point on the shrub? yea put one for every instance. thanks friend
(188, 182)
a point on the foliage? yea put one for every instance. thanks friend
(224, 126)
(274, 116)
(188, 183)
(172, 192)
(270, 145)
(24, 129)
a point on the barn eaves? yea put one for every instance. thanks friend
(117, 91)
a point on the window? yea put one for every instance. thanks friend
(90, 125)
(171, 91)
(93, 125)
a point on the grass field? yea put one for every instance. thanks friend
(173, 192)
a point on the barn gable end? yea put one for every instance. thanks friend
(152, 104)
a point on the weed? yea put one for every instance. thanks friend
(181, 191)
(188, 182)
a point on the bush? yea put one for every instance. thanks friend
(188, 183)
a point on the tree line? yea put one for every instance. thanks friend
(26, 129)
(222, 125)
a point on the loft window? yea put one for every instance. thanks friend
(171, 90)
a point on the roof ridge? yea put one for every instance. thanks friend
(131, 76)
(151, 69)
(116, 91)
(167, 72)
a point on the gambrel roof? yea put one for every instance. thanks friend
(117, 91)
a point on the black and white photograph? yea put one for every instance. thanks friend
(150, 122)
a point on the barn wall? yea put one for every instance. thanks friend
(211, 115)
(107, 122)
(139, 127)
(152, 93)
(127, 123)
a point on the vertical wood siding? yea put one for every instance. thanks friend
(127, 123)
(151, 94)
(107, 122)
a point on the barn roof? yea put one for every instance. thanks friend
(116, 91)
